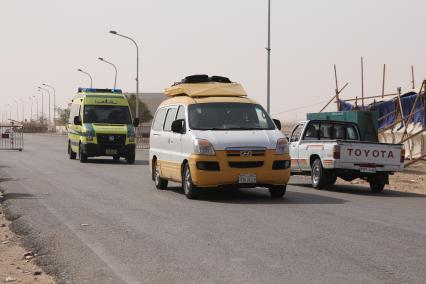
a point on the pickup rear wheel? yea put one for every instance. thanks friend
(376, 184)
(318, 175)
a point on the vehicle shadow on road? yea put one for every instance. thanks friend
(121, 162)
(364, 190)
(15, 196)
(260, 196)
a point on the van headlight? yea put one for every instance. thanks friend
(131, 136)
(282, 147)
(203, 147)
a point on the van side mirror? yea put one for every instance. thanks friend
(277, 123)
(178, 126)
(136, 122)
(77, 120)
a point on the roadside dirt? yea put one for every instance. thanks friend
(16, 264)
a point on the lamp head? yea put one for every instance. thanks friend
(113, 32)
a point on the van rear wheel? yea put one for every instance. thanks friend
(159, 182)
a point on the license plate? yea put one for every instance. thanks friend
(368, 170)
(111, 151)
(247, 179)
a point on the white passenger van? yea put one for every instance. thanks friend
(209, 134)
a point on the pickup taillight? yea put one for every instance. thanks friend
(402, 155)
(336, 152)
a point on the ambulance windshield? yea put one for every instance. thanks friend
(107, 114)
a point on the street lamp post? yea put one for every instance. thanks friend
(268, 49)
(17, 110)
(115, 68)
(37, 107)
(10, 112)
(48, 92)
(42, 107)
(23, 110)
(54, 105)
(137, 68)
(88, 74)
(31, 110)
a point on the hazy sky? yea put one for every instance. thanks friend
(46, 41)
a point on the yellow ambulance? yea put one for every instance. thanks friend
(101, 124)
(208, 133)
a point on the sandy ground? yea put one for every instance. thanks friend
(16, 264)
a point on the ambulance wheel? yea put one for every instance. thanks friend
(318, 175)
(376, 184)
(189, 188)
(116, 158)
(83, 157)
(71, 153)
(159, 182)
(131, 158)
(278, 191)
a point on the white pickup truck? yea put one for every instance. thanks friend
(326, 150)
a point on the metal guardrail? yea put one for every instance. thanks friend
(11, 137)
(142, 136)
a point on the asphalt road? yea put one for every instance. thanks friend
(103, 222)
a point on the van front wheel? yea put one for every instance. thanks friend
(188, 187)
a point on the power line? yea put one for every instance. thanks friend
(299, 108)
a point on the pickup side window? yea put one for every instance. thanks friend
(326, 131)
(295, 136)
(339, 131)
(312, 131)
(351, 133)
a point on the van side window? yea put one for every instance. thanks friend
(158, 123)
(181, 113)
(312, 131)
(171, 115)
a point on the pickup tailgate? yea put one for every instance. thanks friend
(371, 156)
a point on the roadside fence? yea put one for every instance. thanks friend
(142, 136)
(12, 137)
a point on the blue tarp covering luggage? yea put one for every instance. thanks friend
(387, 109)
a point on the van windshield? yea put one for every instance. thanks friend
(228, 116)
(107, 114)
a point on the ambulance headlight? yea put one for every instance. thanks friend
(282, 147)
(90, 135)
(203, 147)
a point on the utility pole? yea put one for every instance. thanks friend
(268, 49)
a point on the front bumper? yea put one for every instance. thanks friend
(96, 150)
(207, 175)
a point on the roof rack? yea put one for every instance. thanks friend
(205, 86)
(103, 91)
